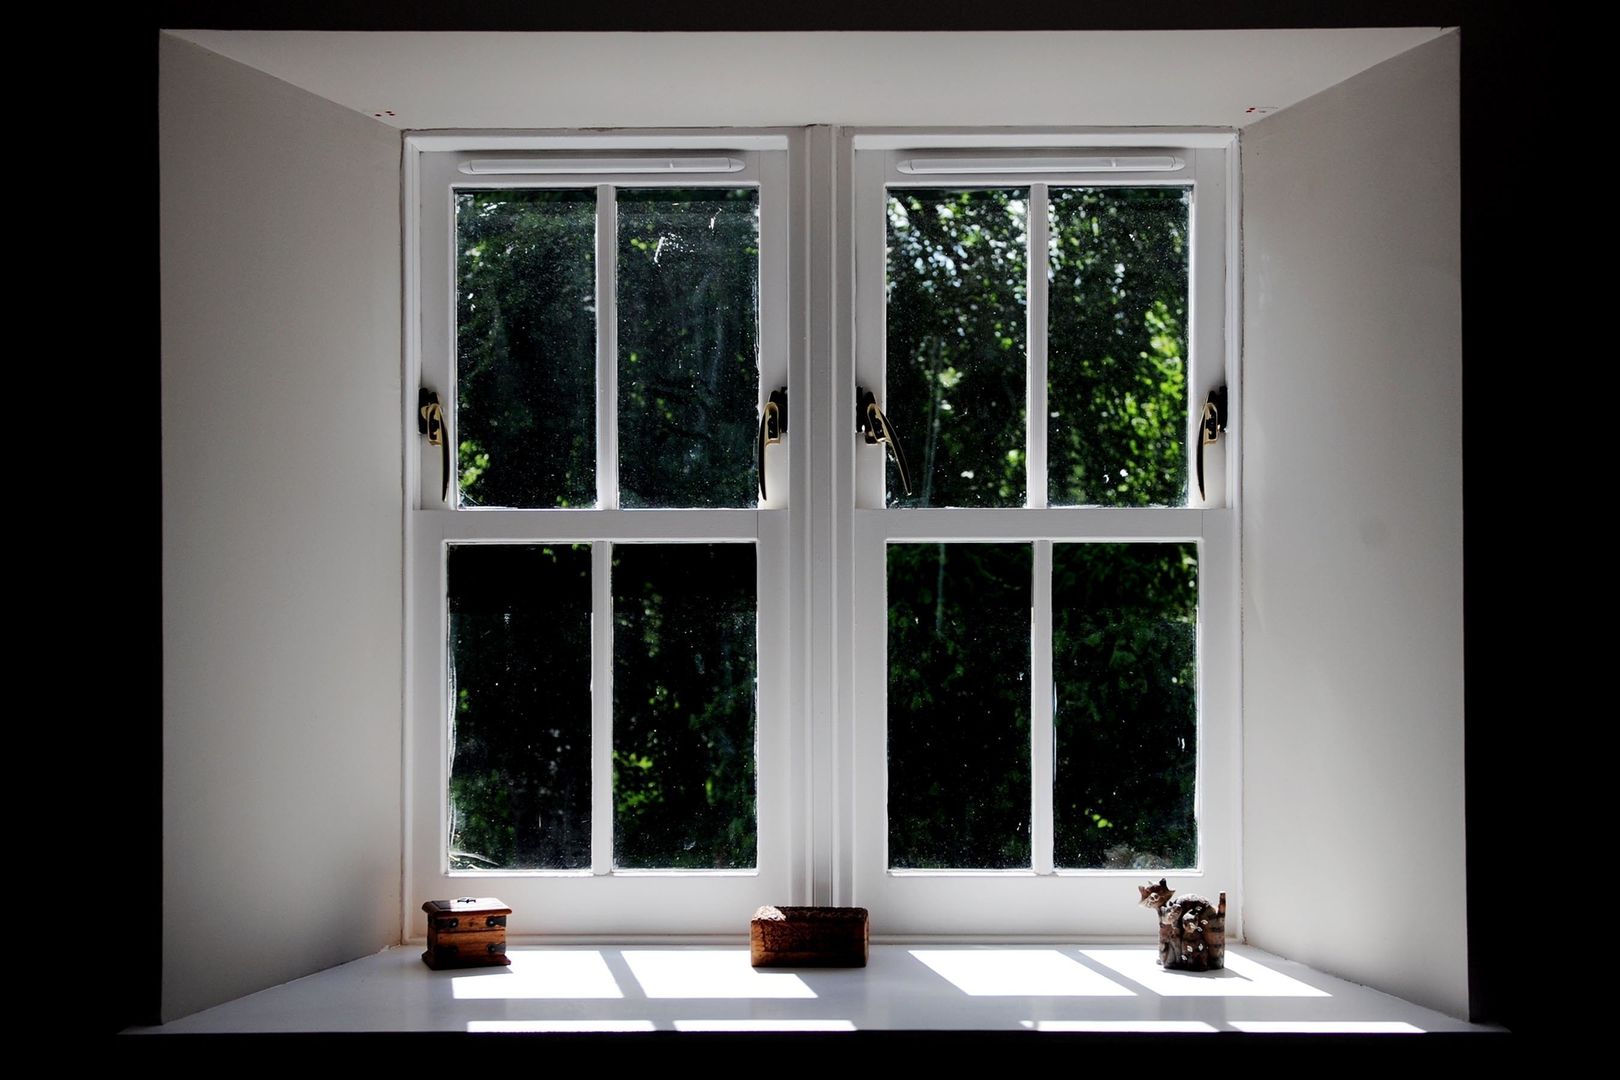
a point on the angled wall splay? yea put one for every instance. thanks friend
(281, 530)
(1352, 531)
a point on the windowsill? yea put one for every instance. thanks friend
(946, 987)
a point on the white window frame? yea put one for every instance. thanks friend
(1043, 900)
(602, 900)
(821, 721)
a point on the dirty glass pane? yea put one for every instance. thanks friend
(688, 347)
(526, 348)
(956, 344)
(959, 705)
(1117, 347)
(683, 706)
(1125, 671)
(520, 706)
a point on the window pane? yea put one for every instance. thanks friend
(1125, 670)
(526, 347)
(1117, 347)
(688, 362)
(520, 723)
(956, 344)
(683, 705)
(959, 705)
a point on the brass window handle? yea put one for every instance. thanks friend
(875, 428)
(430, 422)
(773, 421)
(1210, 426)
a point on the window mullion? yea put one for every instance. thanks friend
(601, 707)
(1042, 744)
(607, 349)
(1037, 228)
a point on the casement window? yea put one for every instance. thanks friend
(965, 653)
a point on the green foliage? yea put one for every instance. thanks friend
(1124, 633)
(520, 750)
(1116, 349)
(683, 705)
(959, 705)
(958, 622)
(526, 347)
(1117, 378)
(688, 355)
(1124, 669)
(956, 344)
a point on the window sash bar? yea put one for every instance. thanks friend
(607, 349)
(1037, 230)
(601, 707)
(1041, 732)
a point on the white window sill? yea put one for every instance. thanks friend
(1041, 988)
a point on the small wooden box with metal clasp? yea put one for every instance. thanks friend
(468, 932)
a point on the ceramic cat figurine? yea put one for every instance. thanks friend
(1192, 931)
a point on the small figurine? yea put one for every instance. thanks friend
(1192, 931)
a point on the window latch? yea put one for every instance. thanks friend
(773, 420)
(1210, 426)
(430, 422)
(875, 428)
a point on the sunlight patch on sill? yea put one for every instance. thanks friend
(1163, 1026)
(764, 1025)
(709, 973)
(1327, 1027)
(1242, 977)
(497, 1027)
(559, 973)
(1018, 973)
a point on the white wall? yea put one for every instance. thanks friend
(536, 80)
(281, 530)
(1352, 532)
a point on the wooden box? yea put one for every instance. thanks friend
(809, 937)
(469, 932)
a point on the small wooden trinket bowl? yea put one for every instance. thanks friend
(469, 932)
(809, 937)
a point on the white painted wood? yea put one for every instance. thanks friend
(848, 601)
(515, 526)
(774, 715)
(1042, 742)
(826, 514)
(593, 80)
(826, 812)
(607, 348)
(1036, 291)
(601, 898)
(485, 140)
(1044, 899)
(1059, 523)
(775, 303)
(430, 232)
(800, 587)
(574, 164)
(601, 707)
(1211, 309)
(1006, 136)
(870, 227)
(1020, 162)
